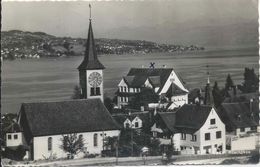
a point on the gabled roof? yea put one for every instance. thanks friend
(53, 118)
(13, 128)
(158, 76)
(239, 115)
(175, 90)
(120, 118)
(155, 81)
(169, 120)
(191, 117)
(90, 60)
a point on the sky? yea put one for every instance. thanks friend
(201, 22)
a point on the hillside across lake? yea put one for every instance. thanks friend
(20, 44)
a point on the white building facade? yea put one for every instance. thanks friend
(158, 79)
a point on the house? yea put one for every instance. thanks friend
(165, 82)
(134, 120)
(43, 125)
(242, 124)
(192, 129)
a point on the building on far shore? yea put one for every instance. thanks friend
(164, 81)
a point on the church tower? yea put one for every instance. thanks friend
(91, 70)
(209, 100)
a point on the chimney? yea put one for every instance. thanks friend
(142, 66)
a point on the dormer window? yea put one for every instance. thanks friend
(15, 136)
(136, 124)
(9, 137)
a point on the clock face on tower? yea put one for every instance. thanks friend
(95, 79)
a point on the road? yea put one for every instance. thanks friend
(130, 161)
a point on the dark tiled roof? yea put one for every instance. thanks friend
(50, 118)
(90, 60)
(120, 118)
(191, 117)
(14, 127)
(158, 75)
(169, 119)
(238, 115)
(155, 80)
(175, 90)
(242, 97)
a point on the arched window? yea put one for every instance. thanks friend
(95, 140)
(49, 143)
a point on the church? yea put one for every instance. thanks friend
(43, 124)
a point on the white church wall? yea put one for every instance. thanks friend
(40, 144)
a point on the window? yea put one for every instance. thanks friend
(212, 122)
(218, 134)
(95, 141)
(15, 136)
(94, 91)
(253, 128)
(242, 129)
(49, 143)
(124, 89)
(9, 137)
(183, 136)
(136, 124)
(194, 138)
(121, 99)
(207, 136)
(127, 125)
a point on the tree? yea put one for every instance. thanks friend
(229, 83)
(72, 143)
(77, 93)
(154, 146)
(146, 96)
(217, 95)
(251, 81)
(109, 104)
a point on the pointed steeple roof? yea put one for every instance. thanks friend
(90, 60)
(208, 95)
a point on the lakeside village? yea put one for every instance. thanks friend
(17, 44)
(153, 114)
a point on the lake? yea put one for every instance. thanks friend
(48, 79)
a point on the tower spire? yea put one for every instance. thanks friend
(90, 59)
(89, 11)
(208, 81)
(91, 69)
(208, 91)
